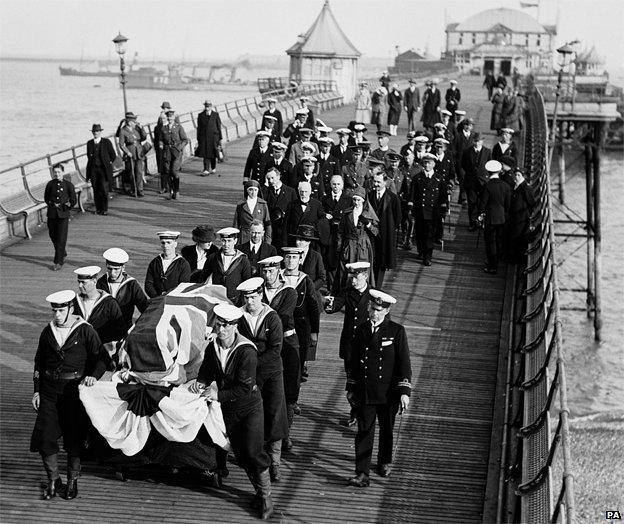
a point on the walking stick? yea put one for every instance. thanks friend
(478, 235)
(396, 440)
(132, 177)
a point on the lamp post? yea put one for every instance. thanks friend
(565, 52)
(120, 46)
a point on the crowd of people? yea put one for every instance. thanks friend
(319, 224)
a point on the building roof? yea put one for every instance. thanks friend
(324, 38)
(409, 55)
(590, 56)
(517, 21)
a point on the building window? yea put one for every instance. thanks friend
(526, 40)
(461, 38)
(539, 41)
(474, 38)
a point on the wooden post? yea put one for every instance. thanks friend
(597, 235)
(589, 207)
(562, 165)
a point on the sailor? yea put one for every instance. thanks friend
(378, 384)
(428, 203)
(275, 113)
(494, 204)
(228, 375)
(262, 325)
(168, 269)
(99, 308)
(172, 141)
(60, 197)
(421, 141)
(307, 312)
(269, 125)
(197, 253)
(341, 149)
(69, 353)
(257, 159)
(282, 298)
(354, 299)
(122, 287)
(227, 267)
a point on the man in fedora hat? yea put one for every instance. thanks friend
(209, 137)
(131, 140)
(100, 157)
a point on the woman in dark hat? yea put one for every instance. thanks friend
(197, 253)
(358, 225)
(250, 209)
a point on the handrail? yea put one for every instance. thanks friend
(538, 340)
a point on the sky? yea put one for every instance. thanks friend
(225, 29)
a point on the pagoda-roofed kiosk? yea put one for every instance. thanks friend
(325, 54)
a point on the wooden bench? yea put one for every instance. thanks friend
(19, 207)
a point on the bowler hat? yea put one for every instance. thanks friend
(165, 105)
(96, 127)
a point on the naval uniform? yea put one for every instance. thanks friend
(379, 373)
(128, 294)
(59, 368)
(160, 282)
(241, 402)
(265, 331)
(355, 304)
(283, 301)
(60, 197)
(428, 198)
(256, 165)
(238, 270)
(105, 316)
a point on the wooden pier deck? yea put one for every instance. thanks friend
(452, 311)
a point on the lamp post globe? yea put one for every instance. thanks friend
(120, 47)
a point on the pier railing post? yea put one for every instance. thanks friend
(589, 206)
(597, 235)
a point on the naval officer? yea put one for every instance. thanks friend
(378, 384)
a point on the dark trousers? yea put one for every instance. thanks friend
(171, 171)
(366, 415)
(302, 327)
(493, 244)
(473, 193)
(379, 274)
(100, 189)
(137, 169)
(209, 163)
(292, 369)
(57, 229)
(60, 414)
(271, 388)
(411, 120)
(246, 434)
(425, 236)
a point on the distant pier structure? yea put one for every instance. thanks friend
(325, 54)
(500, 39)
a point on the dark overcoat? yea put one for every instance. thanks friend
(389, 212)
(208, 134)
(107, 157)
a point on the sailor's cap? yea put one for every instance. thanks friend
(61, 298)
(166, 235)
(360, 127)
(270, 118)
(507, 130)
(261, 134)
(309, 146)
(439, 125)
(357, 267)
(292, 250)
(227, 312)
(324, 129)
(422, 138)
(410, 135)
(306, 130)
(279, 145)
(272, 100)
(460, 112)
(115, 256)
(251, 286)
(309, 160)
(87, 272)
(453, 81)
(441, 142)
(493, 166)
(273, 261)
(446, 112)
(228, 232)
(428, 156)
(326, 140)
(343, 131)
(380, 298)
(302, 111)
(304, 98)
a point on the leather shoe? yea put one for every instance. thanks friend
(348, 422)
(427, 261)
(297, 409)
(287, 444)
(384, 470)
(274, 471)
(72, 489)
(53, 489)
(267, 508)
(361, 480)
(57, 267)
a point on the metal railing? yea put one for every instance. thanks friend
(536, 463)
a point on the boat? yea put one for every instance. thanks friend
(72, 71)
